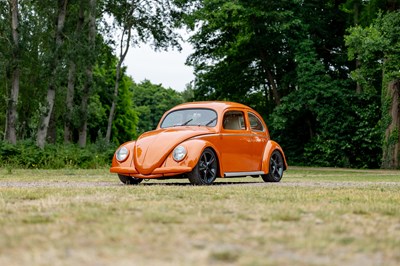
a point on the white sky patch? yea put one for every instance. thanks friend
(163, 67)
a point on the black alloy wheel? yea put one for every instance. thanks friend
(205, 172)
(129, 180)
(276, 168)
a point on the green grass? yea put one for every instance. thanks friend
(313, 217)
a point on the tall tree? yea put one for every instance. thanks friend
(124, 48)
(75, 54)
(140, 22)
(243, 47)
(54, 65)
(126, 118)
(379, 45)
(89, 72)
(11, 134)
(363, 13)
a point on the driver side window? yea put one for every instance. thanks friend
(234, 120)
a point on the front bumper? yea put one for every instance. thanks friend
(157, 173)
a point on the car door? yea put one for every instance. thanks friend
(236, 143)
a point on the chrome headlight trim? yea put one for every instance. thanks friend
(179, 153)
(121, 154)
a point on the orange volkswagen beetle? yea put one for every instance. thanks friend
(202, 141)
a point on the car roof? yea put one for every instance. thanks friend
(218, 106)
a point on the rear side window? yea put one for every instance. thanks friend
(234, 120)
(255, 123)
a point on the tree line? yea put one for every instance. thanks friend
(61, 64)
(324, 74)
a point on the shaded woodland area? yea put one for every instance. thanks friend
(324, 74)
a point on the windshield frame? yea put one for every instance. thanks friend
(212, 122)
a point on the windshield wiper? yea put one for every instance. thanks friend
(187, 122)
(211, 121)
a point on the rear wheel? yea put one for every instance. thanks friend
(205, 172)
(275, 168)
(128, 180)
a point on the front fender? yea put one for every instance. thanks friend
(130, 145)
(194, 148)
(269, 149)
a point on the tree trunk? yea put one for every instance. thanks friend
(391, 145)
(89, 73)
(84, 107)
(270, 78)
(113, 104)
(272, 81)
(117, 77)
(12, 114)
(69, 102)
(52, 129)
(51, 91)
(124, 47)
(44, 123)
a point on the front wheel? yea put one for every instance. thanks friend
(205, 172)
(128, 180)
(275, 168)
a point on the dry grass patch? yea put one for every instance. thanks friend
(313, 217)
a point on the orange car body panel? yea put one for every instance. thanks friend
(238, 150)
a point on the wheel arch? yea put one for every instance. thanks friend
(130, 145)
(195, 148)
(269, 149)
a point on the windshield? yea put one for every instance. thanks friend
(190, 117)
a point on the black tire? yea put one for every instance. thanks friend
(128, 180)
(276, 168)
(205, 172)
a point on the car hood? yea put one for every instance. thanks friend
(153, 147)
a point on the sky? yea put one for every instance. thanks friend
(165, 67)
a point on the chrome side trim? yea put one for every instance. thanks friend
(232, 134)
(205, 135)
(232, 174)
(237, 134)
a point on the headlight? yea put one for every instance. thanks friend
(122, 154)
(179, 153)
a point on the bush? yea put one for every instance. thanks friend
(55, 156)
(325, 130)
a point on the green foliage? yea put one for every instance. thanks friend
(149, 21)
(286, 59)
(45, 59)
(291, 66)
(377, 47)
(329, 125)
(238, 46)
(54, 156)
(151, 102)
(126, 116)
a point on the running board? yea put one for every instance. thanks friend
(235, 174)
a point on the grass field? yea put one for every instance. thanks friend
(313, 217)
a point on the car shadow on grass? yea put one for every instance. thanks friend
(182, 184)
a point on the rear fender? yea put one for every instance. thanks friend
(269, 149)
